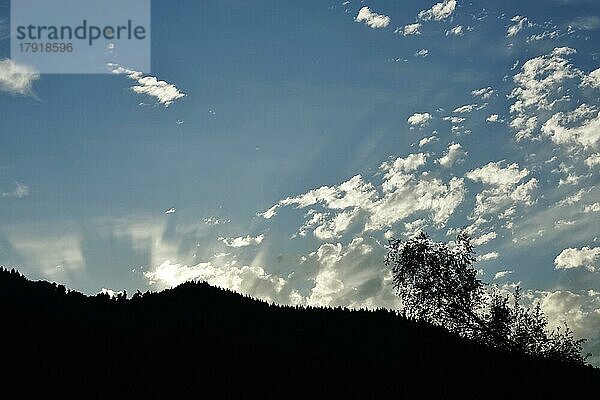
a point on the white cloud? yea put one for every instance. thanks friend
(503, 187)
(454, 120)
(249, 280)
(592, 208)
(593, 160)
(170, 210)
(342, 276)
(270, 213)
(484, 239)
(111, 293)
(372, 19)
(456, 31)
(572, 199)
(581, 311)
(346, 277)
(544, 35)
(488, 256)
(412, 29)
(422, 53)
(454, 153)
(439, 11)
(519, 23)
(17, 78)
(419, 119)
(164, 92)
(588, 257)
(428, 140)
(580, 127)
(539, 89)
(19, 192)
(242, 241)
(495, 175)
(358, 203)
(493, 118)
(502, 274)
(469, 108)
(484, 93)
(212, 221)
(593, 79)
(336, 226)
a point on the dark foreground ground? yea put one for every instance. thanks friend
(196, 341)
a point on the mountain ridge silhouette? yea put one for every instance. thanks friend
(211, 342)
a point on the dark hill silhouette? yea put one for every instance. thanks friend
(211, 343)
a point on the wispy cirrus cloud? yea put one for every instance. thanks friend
(18, 192)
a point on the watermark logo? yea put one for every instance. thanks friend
(81, 36)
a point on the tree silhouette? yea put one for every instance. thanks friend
(438, 284)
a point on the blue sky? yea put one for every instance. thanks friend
(494, 127)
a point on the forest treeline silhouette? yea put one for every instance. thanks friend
(200, 341)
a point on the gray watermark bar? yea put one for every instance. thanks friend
(81, 36)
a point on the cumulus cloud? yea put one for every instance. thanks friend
(502, 274)
(242, 241)
(249, 280)
(540, 90)
(456, 31)
(580, 127)
(411, 29)
(581, 311)
(572, 199)
(419, 119)
(587, 257)
(454, 154)
(488, 256)
(17, 78)
(111, 293)
(372, 19)
(341, 276)
(493, 118)
(593, 79)
(358, 203)
(428, 140)
(165, 93)
(539, 77)
(346, 277)
(504, 186)
(593, 160)
(592, 208)
(439, 11)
